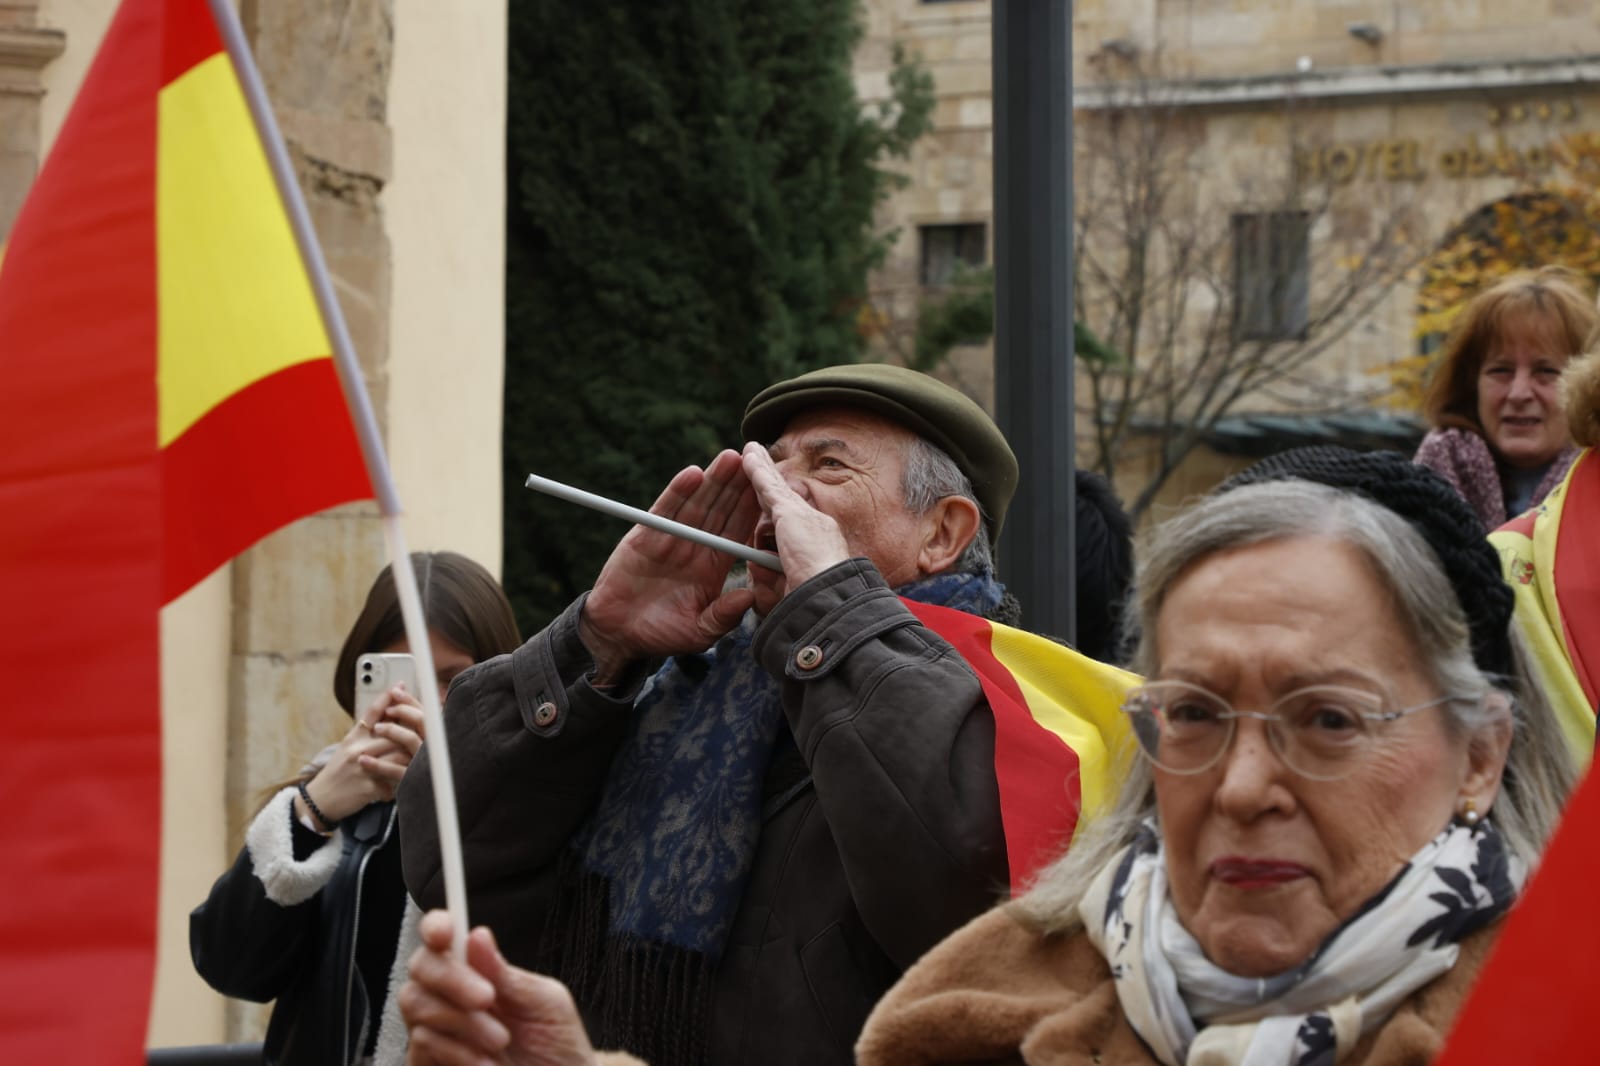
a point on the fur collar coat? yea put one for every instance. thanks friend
(997, 992)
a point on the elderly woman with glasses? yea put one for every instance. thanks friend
(1340, 792)
(1341, 789)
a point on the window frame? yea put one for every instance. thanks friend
(1271, 275)
(969, 247)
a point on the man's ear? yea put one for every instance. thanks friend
(947, 528)
(1486, 755)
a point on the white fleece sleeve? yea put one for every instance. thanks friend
(270, 843)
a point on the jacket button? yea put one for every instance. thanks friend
(544, 714)
(808, 657)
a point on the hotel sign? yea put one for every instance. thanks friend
(1410, 159)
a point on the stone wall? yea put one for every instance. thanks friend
(25, 49)
(1241, 38)
(951, 169)
(1407, 118)
(326, 68)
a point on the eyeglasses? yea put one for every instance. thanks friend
(1321, 732)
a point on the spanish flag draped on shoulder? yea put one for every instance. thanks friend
(168, 399)
(1551, 559)
(1060, 740)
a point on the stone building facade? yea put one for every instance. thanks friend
(394, 112)
(1370, 119)
(26, 49)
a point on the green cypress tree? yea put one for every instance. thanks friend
(690, 200)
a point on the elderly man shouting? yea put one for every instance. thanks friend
(731, 856)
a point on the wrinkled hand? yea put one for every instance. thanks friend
(367, 765)
(809, 541)
(485, 1010)
(662, 595)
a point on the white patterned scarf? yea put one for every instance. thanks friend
(1192, 1013)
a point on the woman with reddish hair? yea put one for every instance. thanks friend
(1499, 432)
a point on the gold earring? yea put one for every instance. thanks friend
(1469, 812)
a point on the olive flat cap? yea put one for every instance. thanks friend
(923, 404)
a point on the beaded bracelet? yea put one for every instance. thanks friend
(328, 824)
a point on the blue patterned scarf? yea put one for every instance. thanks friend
(674, 835)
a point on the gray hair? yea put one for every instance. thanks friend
(1539, 768)
(929, 476)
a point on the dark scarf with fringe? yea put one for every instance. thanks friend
(647, 894)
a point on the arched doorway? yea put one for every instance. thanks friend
(1546, 227)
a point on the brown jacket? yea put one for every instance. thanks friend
(890, 839)
(996, 992)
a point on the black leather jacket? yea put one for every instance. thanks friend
(275, 927)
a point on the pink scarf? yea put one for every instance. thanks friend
(1463, 459)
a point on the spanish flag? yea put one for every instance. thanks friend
(1534, 1001)
(167, 397)
(1551, 559)
(1061, 740)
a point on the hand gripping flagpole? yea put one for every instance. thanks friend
(366, 426)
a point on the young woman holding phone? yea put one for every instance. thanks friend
(310, 913)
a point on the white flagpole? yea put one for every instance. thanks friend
(606, 505)
(366, 427)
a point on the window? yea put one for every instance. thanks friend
(1271, 275)
(945, 248)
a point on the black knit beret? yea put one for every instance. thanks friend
(1433, 509)
(924, 405)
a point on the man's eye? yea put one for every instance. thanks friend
(829, 462)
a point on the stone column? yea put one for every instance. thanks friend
(25, 48)
(326, 67)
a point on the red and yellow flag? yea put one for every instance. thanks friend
(1534, 1001)
(1551, 560)
(168, 398)
(1060, 737)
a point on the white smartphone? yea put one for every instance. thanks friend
(378, 672)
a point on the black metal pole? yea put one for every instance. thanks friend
(1033, 301)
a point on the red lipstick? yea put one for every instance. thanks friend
(1237, 872)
